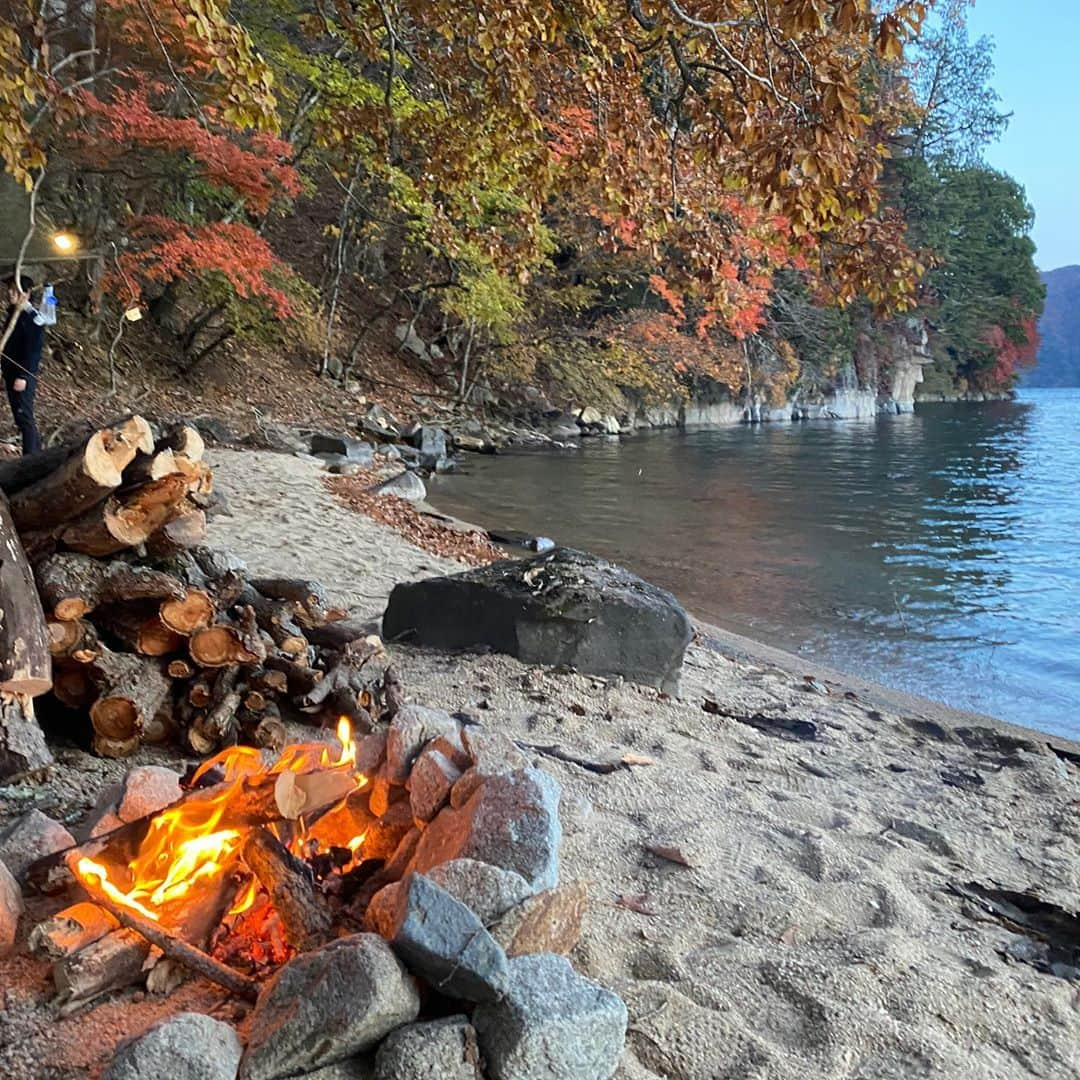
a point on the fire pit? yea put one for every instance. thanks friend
(359, 893)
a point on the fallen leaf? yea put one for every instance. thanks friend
(788, 936)
(577, 710)
(638, 903)
(669, 852)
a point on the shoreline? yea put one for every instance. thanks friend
(732, 644)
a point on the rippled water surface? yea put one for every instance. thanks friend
(938, 553)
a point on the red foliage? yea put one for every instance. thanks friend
(172, 250)
(129, 122)
(1009, 355)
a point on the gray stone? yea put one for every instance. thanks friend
(187, 1046)
(552, 1024)
(32, 837)
(280, 437)
(439, 1050)
(370, 752)
(474, 444)
(444, 943)
(11, 908)
(363, 453)
(510, 821)
(327, 1006)
(431, 442)
(143, 791)
(432, 777)
(381, 424)
(411, 729)
(562, 607)
(390, 453)
(345, 468)
(488, 890)
(405, 485)
(147, 789)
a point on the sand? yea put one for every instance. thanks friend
(813, 934)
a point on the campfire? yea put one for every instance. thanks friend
(394, 887)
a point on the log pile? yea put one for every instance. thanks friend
(150, 633)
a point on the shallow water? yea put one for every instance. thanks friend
(938, 553)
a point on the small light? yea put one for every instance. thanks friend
(65, 242)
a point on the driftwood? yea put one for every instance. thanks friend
(87, 477)
(289, 883)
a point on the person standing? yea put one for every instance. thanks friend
(21, 360)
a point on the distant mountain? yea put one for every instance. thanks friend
(1059, 354)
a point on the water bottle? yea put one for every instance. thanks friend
(46, 314)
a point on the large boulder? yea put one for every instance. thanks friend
(406, 485)
(327, 1006)
(561, 607)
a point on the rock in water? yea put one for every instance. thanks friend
(444, 943)
(553, 1024)
(560, 607)
(188, 1046)
(326, 1006)
(445, 1049)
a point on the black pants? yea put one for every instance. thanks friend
(22, 409)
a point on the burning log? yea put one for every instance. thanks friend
(86, 478)
(150, 933)
(71, 930)
(291, 887)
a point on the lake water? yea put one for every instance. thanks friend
(937, 553)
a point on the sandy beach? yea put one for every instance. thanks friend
(802, 923)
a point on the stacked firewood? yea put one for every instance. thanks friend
(151, 633)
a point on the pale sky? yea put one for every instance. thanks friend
(1038, 80)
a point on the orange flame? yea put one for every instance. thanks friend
(184, 849)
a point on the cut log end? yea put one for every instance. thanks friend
(194, 612)
(220, 646)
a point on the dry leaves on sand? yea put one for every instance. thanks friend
(473, 548)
